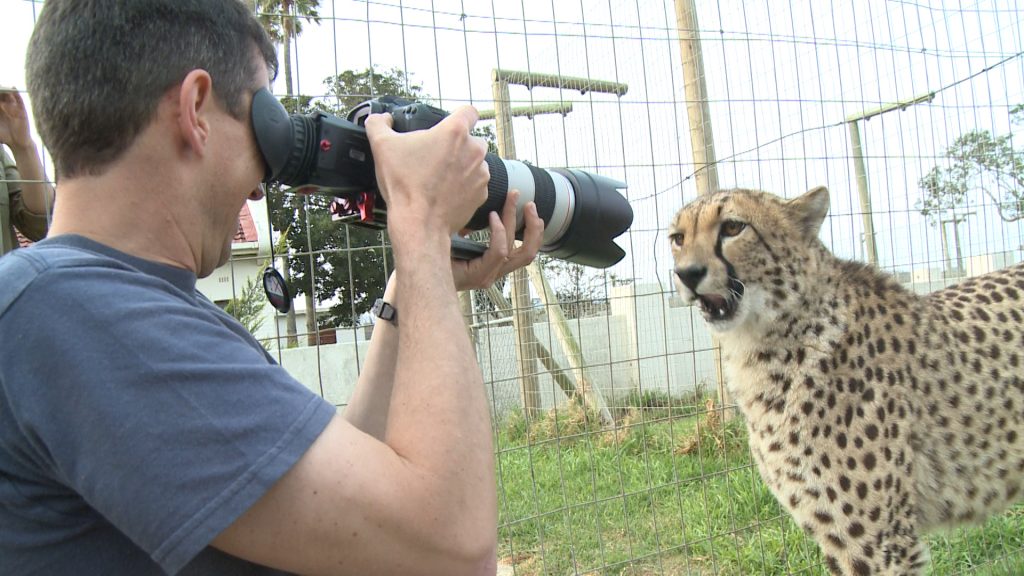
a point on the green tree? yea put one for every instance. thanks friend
(282, 19)
(351, 88)
(979, 161)
(248, 306)
(486, 131)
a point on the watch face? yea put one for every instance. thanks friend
(383, 310)
(276, 290)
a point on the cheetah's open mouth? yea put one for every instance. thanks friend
(716, 308)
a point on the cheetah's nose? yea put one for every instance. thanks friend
(691, 276)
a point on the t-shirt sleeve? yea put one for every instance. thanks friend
(165, 421)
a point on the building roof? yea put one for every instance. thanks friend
(246, 228)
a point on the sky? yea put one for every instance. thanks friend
(782, 77)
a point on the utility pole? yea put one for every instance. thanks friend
(522, 317)
(527, 348)
(956, 219)
(698, 113)
(946, 265)
(860, 170)
(702, 139)
(865, 197)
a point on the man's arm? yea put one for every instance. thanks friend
(36, 191)
(368, 407)
(370, 403)
(424, 500)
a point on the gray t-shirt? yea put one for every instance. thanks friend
(137, 419)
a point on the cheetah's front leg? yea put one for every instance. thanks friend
(878, 549)
(859, 509)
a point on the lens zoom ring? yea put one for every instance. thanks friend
(544, 193)
(497, 190)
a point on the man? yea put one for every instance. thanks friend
(146, 431)
(25, 196)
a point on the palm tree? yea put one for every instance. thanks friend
(282, 19)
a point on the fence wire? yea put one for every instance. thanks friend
(670, 488)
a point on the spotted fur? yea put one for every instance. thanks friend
(874, 414)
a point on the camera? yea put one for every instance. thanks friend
(320, 153)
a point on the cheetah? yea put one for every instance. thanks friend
(874, 414)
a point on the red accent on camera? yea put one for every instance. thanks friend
(366, 202)
(361, 203)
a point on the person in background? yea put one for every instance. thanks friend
(26, 198)
(142, 429)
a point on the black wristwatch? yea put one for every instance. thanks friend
(385, 311)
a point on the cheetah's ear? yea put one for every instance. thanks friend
(808, 211)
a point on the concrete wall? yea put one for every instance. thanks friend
(329, 370)
(646, 343)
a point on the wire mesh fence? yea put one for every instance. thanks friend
(909, 111)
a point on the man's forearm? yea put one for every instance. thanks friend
(36, 191)
(371, 399)
(439, 417)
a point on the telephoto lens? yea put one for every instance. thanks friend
(583, 213)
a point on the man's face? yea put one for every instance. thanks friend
(242, 171)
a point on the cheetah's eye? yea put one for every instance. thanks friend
(676, 239)
(731, 228)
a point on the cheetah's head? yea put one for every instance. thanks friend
(741, 254)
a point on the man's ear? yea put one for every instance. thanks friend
(195, 97)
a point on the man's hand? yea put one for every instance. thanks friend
(433, 180)
(14, 125)
(501, 256)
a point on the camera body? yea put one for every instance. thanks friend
(320, 153)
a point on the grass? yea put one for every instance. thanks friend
(673, 491)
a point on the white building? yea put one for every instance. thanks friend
(250, 253)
